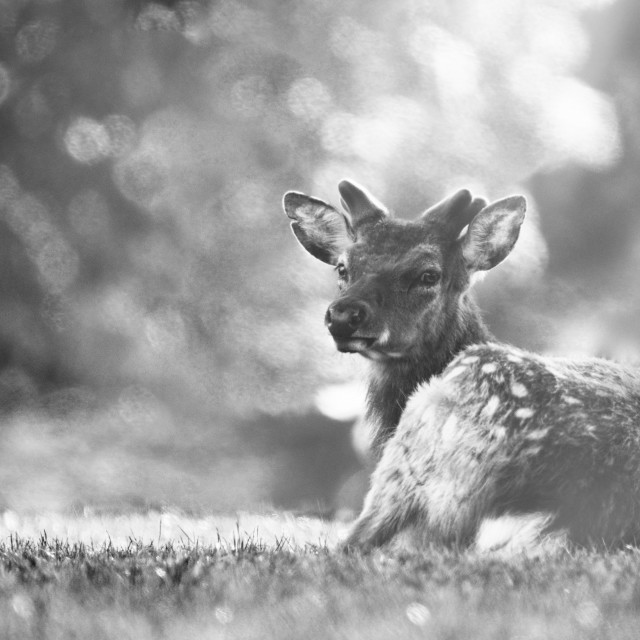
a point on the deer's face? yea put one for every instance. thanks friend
(400, 282)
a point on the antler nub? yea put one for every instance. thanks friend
(455, 212)
(362, 206)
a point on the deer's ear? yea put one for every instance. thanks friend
(493, 233)
(322, 230)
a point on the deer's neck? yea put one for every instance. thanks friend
(393, 381)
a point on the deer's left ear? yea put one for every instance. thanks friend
(322, 230)
(492, 233)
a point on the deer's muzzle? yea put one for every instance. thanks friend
(346, 316)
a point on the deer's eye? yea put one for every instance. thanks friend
(342, 271)
(429, 278)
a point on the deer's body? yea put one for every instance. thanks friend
(467, 430)
(503, 431)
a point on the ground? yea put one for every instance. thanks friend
(165, 575)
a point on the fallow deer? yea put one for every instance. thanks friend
(468, 430)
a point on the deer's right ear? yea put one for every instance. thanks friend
(322, 230)
(492, 233)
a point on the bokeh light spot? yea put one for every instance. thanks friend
(337, 133)
(29, 218)
(157, 17)
(308, 99)
(341, 401)
(349, 39)
(36, 40)
(250, 96)
(557, 38)
(87, 140)
(57, 263)
(453, 62)
(245, 202)
(194, 21)
(165, 331)
(230, 19)
(140, 177)
(122, 134)
(582, 124)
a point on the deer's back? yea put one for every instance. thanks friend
(503, 430)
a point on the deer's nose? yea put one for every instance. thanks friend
(344, 317)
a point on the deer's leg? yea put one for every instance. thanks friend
(433, 470)
(391, 502)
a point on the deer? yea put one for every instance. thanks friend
(467, 431)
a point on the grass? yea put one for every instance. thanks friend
(233, 582)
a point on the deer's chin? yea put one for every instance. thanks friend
(354, 345)
(383, 355)
(368, 347)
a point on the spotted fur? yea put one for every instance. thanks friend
(534, 435)
(477, 443)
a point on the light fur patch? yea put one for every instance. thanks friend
(499, 432)
(491, 407)
(454, 373)
(516, 534)
(429, 414)
(537, 434)
(450, 429)
(519, 390)
(525, 413)
(490, 367)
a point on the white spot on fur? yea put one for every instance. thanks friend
(428, 414)
(384, 336)
(449, 429)
(537, 434)
(470, 359)
(592, 431)
(499, 432)
(571, 400)
(490, 367)
(491, 407)
(519, 390)
(477, 276)
(524, 413)
(514, 358)
(454, 373)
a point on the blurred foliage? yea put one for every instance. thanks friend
(148, 281)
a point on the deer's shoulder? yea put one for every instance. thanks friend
(499, 382)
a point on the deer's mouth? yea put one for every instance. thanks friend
(354, 345)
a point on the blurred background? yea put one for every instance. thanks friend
(161, 333)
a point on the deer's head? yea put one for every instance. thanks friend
(401, 282)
